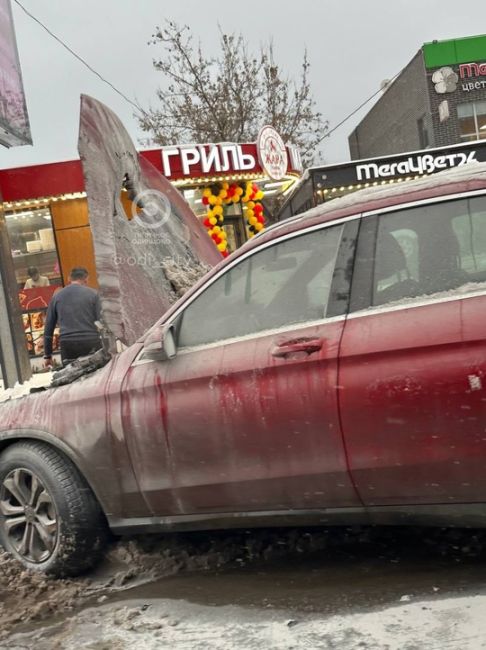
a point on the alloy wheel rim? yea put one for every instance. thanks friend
(28, 516)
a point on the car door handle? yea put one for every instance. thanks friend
(297, 345)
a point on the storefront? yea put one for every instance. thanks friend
(228, 186)
(438, 99)
(321, 184)
(48, 222)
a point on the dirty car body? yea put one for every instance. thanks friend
(330, 371)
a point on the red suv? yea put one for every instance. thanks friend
(332, 370)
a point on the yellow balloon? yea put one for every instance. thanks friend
(210, 214)
(223, 194)
(207, 192)
(251, 204)
(222, 246)
(218, 209)
(222, 234)
(218, 201)
(244, 199)
(225, 185)
(213, 221)
(212, 200)
(216, 230)
(250, 213)
(259, 195)
(258, 226)
(239, 191)
(252, 221)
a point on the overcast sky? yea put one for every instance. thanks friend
(352, 46)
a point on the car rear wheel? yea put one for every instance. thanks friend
(49, 518)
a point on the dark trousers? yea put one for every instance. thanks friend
(74, 348)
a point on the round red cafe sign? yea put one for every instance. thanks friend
(272, 153)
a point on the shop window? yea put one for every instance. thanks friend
(423, 133)
(472, 120)
(33, 245)
(37, 270)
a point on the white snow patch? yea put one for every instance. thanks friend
(39, 380)
(456, 623)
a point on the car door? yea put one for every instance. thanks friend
(413, 356)
(250, 400)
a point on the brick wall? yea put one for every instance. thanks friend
(391, 126)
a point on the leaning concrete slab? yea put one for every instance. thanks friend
(148, 243)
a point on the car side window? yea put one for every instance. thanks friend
(284, 284)
(430, 249)
(470, 230)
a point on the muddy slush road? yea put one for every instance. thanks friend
(296, 574)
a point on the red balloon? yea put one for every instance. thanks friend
(224, 253)
(218, 240)
(215, 237)
(205, 200)
(261, 218)
(207, 223)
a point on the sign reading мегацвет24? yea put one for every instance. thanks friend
(422, 164)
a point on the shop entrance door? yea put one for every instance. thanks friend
(234, 227)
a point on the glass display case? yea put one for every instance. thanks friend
(33, 245)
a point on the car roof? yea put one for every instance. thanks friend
(465, 178)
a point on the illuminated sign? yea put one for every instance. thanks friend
(272, 153)
(421, 164)
(472, 70)
(225, 158)
(14, 121)
(447, 80)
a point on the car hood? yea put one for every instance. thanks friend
(149, 246)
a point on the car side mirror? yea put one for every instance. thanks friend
(160, 344)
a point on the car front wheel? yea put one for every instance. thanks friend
(49, 518)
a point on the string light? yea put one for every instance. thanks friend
(43, 201)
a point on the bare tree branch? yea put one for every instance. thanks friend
(229, 98)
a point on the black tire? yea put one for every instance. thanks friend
(50, 519)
